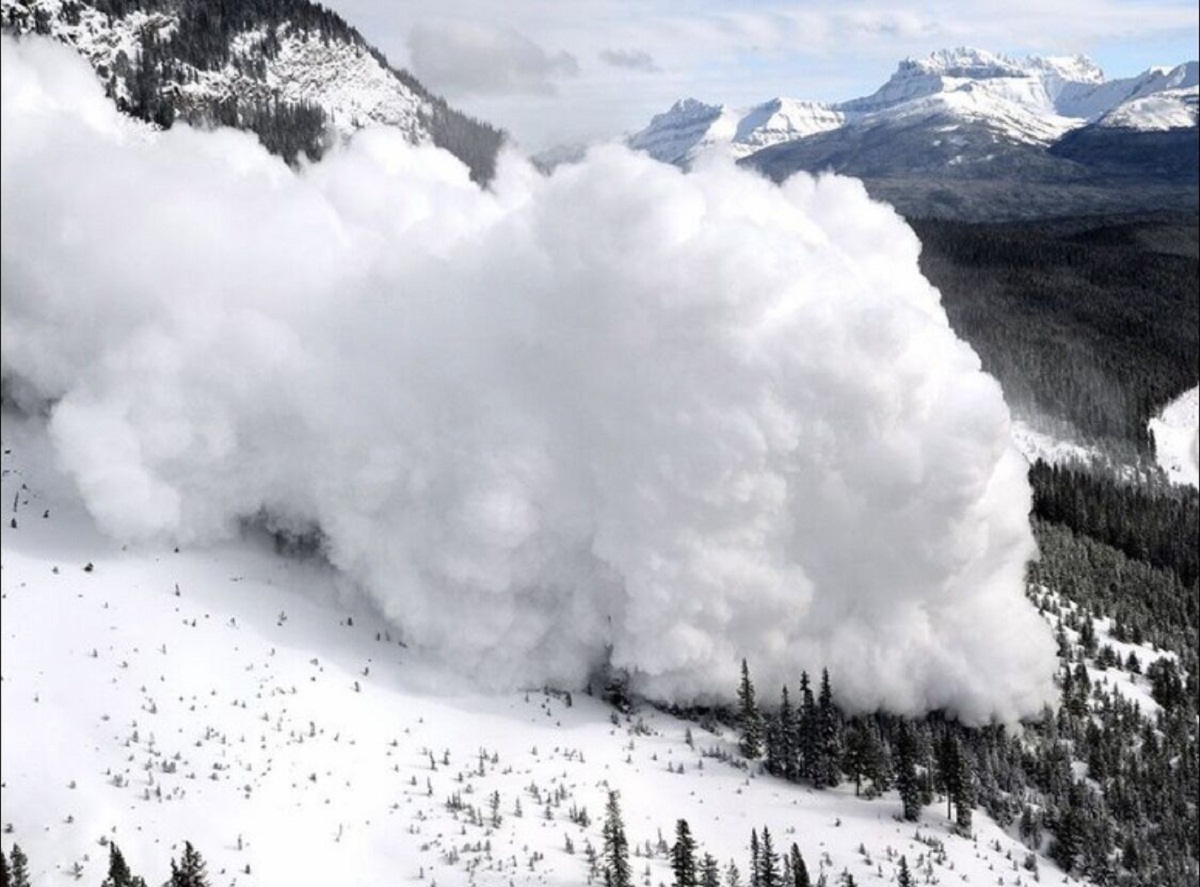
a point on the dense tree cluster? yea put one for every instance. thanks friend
(1146, 520)
(1129, 817)
(1092, 322)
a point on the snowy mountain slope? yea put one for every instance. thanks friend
(341, 76)
(691, 127)
(309, 74)
(1169, 109)
(1177, 438)
(237, 700)
(1004, 116)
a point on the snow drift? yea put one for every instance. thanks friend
(618, 413)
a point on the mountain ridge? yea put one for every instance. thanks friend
(1051, 130)
(1034, 99)
(291, 71)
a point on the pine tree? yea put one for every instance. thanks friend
(904, 877)
(964, 801)
(768, 862)
(799, 869)
(948, 769)
(710, 872)
(118, 871)
(754, 859)
(5, 881)
(190, 870)
(826, 772)
(956, 781)
(18, 872)
(906, 773)
(683, 856)
(781, 746)
(806, 731)
(617, 872)
(862, 756)
(749, 718)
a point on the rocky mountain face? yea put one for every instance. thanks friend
(972, 134)
(291, 71)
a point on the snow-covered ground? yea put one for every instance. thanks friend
(252, 705)
(1177, 438)
(1035, 443)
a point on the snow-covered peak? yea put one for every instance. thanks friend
(1034, 82)
(1169, 109)
(1068, 69)
(691, 127)
(966, 62)
(676, 135)
(781, 120)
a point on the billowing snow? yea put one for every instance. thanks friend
(1177, 439)
(708, 418)
(236, 699)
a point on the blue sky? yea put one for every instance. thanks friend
(555, 72)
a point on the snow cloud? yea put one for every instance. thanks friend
(618, 412)
(630, 59)
(475, 58)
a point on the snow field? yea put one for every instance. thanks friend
(247, 703)
(1177, 437)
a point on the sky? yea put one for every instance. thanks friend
(555, 73)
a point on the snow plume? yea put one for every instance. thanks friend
(620, 411)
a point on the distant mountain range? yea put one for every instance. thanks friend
(952, 133)
(291, 71)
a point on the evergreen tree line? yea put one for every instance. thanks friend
(1146, 605)
(1130, 820)
(1095, 323)
(691, 867)
(1148, 521)
(189, 870)
(814, 743)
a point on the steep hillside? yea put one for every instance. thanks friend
(291, 71)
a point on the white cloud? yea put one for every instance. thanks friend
(463, 58)
(676, 418)
(631, 59)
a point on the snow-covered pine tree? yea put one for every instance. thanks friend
(749, 718)
(190, 871)
(119, 874)
(861, 754)
(768, 862)
(827, 771)
(906, 773)
(18, 871)
(799, 869)
(781, 741)
(806, 731)
(617, 871)
(683, 856)
(754, 858)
